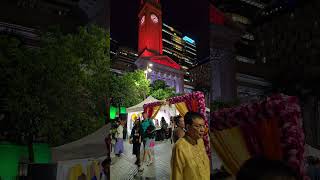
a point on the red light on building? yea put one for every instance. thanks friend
(165, 60)
(216, 16)
(150, 28)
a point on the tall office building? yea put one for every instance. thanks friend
(181, 49)
(122, 58)
(232, 50)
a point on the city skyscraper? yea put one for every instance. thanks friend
(181, 49)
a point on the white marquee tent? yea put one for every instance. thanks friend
(137, 109)
(80, 152)
(87, 147)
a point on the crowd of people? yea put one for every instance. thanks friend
(189, 159)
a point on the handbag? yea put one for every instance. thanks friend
(152, 144)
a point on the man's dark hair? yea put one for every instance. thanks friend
(105, 162)
(260, 168)
(176, 119)
(190, 116)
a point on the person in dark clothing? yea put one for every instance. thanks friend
(125, 131)
(179, 131)
(313, 168)
(260, 168)
(164, 127)
(107, 141)
(105, 174)
(135, 140)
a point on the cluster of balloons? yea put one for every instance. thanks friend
(135, 116)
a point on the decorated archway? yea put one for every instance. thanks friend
(272, 128)
(190, 102)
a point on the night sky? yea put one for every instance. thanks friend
(191, 18)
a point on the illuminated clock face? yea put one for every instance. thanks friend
(142, 19)
(154, 18)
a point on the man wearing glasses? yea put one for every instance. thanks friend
(189, 159)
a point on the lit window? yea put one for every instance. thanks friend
(191, 48)
(191, 52)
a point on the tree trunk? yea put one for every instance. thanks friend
(119, 107)
(107, 103)
(30, 150)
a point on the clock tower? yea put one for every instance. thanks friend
(150, 28)
(150, 47)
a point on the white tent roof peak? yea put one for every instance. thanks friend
(139, 107)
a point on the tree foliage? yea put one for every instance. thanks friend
(56, 91)
(160, 90)
(133, 87)
(129, 89)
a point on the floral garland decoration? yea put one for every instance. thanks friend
(288, 111)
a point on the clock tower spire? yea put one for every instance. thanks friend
(150, 28)
(150, 47)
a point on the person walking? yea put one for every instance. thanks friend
(135, 140)
(171, 128)
(105, 174)
(108, 141)
(150, 143)
(164, 127)
(118, 149)
(179, 131)
(146, 138)
(189, 159)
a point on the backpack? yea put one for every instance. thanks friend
(151, 131)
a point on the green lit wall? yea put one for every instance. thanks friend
(10, 155)
(115, 110)
(123, 110)
(42, 153)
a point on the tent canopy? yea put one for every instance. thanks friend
(91, 146)
(139, 107)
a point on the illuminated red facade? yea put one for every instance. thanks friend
(150, 47)
(166, 61)
(150, 28)
(216, 16)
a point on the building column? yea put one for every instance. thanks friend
(158, 76)
(153, 76)
(171, 81)
(222, 60)
(223, 76)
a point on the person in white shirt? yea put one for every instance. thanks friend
(118, 149)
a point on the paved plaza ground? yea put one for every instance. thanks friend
(123, 168)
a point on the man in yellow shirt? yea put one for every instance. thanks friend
(189, 159)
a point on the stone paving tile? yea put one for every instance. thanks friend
(123, 168)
